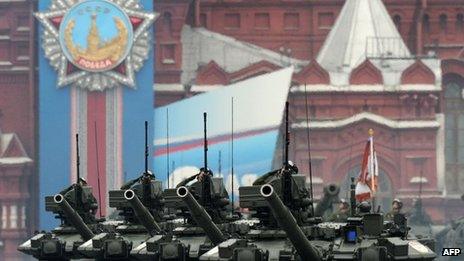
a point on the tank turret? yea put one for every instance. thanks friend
(73, 217)
(200, 216)
(142, 213)
(140, 208)
(288, 223)
(75, 207)
(201, 202)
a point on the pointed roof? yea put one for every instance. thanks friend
(12, 151)
(11, 146)
(363, 29)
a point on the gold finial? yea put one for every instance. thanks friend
(371, 132)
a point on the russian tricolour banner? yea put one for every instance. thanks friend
(95, 79)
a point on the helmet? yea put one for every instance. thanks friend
(208, 170)
(82, 181)
(343, 201)
(364, 207)
(400, 204)
(292, 166)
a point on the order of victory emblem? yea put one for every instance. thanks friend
(96, 44)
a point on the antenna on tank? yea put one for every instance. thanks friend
(232, 153)
(286, 173)
(309, 152)
(78, 161)
(146, 147)
(220, 163)
(205, 142)
(206, 183)
(98, 167)
(167, 145)
(287, 135)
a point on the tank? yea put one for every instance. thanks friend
(200, 216)
(288, 223)
(267, 240)
(203, 221)
(75, 207)
(140, 215)
(288, 228)
(202, 207)
(365, 236)
(139, 204)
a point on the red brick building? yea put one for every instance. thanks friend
(413, 99)
(394, 66)
(18, 179)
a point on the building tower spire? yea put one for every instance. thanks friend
(363, 29)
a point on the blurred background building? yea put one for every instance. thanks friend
(396, 66)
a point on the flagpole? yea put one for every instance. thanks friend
(372, 171)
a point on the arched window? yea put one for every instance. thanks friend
(460, 23)
(167, 22)
(397, 21)
(426, 23)
(384, 194)
(454, 134)
(443, 23)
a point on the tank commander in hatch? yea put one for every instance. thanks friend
(200, 177)
(397, 206)
(342, 214)
(290, 166)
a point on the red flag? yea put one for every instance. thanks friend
(367, 180)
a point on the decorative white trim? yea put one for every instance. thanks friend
(23, 58)
(418, 180)
(168, 87)
(393, 124)
(377, 88)
(14, 160)
(205, 88)
(19, 68)
(23, 29)
(5, 63)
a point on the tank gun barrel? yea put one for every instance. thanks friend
(288, 223)
(142, 213)
(73, 217)
(201, 217)
(330, 195)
